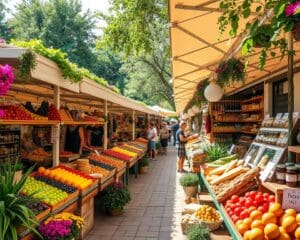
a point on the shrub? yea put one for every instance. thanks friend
(144, 162)
(198, 233)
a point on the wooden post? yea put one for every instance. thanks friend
(133, 125)
(55, 134)
(290, 90)
(105, 126)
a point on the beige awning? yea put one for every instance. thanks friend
(196, 50)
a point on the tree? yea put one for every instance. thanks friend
(5, 30)
(144, 41)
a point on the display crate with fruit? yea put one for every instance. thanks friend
(108, 160)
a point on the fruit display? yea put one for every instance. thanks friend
(125, 152)
(107, 160)
(43, 191)
(54, 183)
(275, 223)
(37, 155)
(96, 170)
(19, 113)
(65, 154)
(37, 207)
(90, 119)
(65, 114)
(118, 155)
(53, 113)
(68, 176)
(128, 148)
(102, 165)
(137, 145)
(241, 207)
(142, 140)
(208, 214)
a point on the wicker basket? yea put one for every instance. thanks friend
(213, 225)
(296, 31)
(190, 191)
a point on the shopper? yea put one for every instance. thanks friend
(174, 131)
(164, 137)
(170, 131)
(152, 138)
(181, 140)
(76, 139)
(97, 136)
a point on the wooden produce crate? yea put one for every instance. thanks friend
(106, 183)
(120, 173)
(275, 188)
(43, 215)
(132, 162)
(68, 158)
(85, 198)
(89, 189)
(65, 202)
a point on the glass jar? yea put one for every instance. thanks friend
(280, 173)
(291, 176)
(298, 178)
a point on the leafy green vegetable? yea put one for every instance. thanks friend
(215, 152)
(198, 233)
(188, 180)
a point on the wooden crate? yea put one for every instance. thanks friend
(120, 173)
(90, 188)
(43, 215)
(86, 198)
(66, 202)
(105, 184)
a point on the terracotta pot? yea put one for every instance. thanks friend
(296, 31)
(115, 212)
(190, 191)
(144, 169)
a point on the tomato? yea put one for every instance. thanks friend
(228, 209)
(247, 194)
(266, 195)
(262, 209)
(271, 198)
(230, 213)
(266, 205)
(244, 214)
(235, 218)
(228, 202)
(253, 194)
(237, 211)
(259, 198)
(249, 203)
(232, 207)
(235, 198)
(242, 201)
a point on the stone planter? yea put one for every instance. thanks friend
(144, 169)
(190, 191)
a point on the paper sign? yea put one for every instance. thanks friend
(291, 199)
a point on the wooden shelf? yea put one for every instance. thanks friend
(81, 123)
(216, 132)
(249, 132)
(252, 110)
(237, 121)
(275, 188)
(255, 99)
(294, 149)
(29, 122)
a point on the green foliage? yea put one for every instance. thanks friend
(5, 29)
(144, 162)
(116, 196)
(13, 210)
(27, 63)
(189, 180)
(215, 152)
(230, 72)
(198, 233)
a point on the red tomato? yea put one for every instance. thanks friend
(247, 194)
(262, 209)
(230, 213)
(244, 214)
(234, 198)
(271, 198)
(253, 194)
(266, 195)
(259, 198)
(228, 202)
(235, 218)
(266, 205)
(238, 211)
(232, 207)
(249, 203)
(242, 201)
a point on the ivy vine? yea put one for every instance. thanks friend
(27, 63)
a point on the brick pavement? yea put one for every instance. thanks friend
(155, 209)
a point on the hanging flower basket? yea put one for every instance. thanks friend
(291, 12)
(6, 79)
(230, 72)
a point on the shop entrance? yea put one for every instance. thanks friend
(280, 97)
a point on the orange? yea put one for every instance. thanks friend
(282, 230)
(238, 222)
(284, 236)
(256, 215)
(271, 231)
(47, 172)
(256, 234)
(297, 232)
(250, 209)
(247, 235)
(290, 212)
(276, 209)
(242, 228)
(268, 218)
(289, 223)
(257, 224)
(298, 218)
(41, 170)
(247, 221)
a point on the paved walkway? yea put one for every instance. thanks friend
(155, 209)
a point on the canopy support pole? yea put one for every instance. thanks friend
(133, 125)
(290, 90)
(105, 126)
(55, 133)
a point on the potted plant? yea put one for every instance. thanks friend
(115, 197)
(262, 36)
(63, 226)
(198, 233)
(230, 72)
(14, 213)
(144, 165)
(189, 182)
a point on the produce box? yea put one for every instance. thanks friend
(106, 183)
(66, 202)
(43, 215)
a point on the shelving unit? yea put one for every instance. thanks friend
(10, 149)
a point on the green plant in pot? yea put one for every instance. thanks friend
(14, 214)
(144, 164)
(189, 182)
(115, 197)
(198, 233)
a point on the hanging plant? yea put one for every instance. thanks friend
(6, 78)
(230, 72)
(27, 63)
(200, 89)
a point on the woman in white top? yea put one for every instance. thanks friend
(152, 138)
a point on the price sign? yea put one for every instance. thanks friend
(291, 199)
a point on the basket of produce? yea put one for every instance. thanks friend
(187, 221)
(209, 217)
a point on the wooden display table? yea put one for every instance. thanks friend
(275, 188)
(296, 150)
